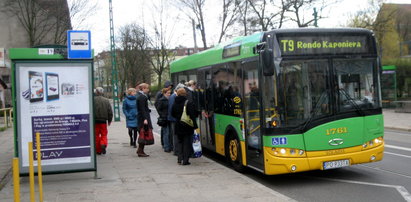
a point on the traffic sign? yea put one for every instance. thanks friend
(79, 44)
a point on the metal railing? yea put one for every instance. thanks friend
(7, 119)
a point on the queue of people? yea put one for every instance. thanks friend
(176, 136)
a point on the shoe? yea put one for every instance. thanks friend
(135, 146)
(98, 153)
(186, 164)
(103, 149)
(143, 155)
(167, 151)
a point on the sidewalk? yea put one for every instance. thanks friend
(7, 154)
(397, 121)
(125, 177)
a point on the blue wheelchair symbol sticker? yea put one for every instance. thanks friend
(279, 140)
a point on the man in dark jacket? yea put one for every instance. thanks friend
(143, 116)
(103, 115)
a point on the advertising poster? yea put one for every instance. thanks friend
(55, 100)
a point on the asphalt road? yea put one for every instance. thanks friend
(387, 180)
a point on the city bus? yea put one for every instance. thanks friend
(289, 100)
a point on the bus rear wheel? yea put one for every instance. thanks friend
(234, 155)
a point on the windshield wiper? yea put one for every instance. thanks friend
(351, 100)
(314, 111)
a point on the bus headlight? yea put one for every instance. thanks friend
(373, 143)
(286, 152)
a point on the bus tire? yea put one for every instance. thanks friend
(233, 153)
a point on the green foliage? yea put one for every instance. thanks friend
(403, 73)
(154, 89)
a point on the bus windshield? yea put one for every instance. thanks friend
(356, 84)
(306, 90)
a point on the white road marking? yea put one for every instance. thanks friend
(397, 147)
(397, 154)
(383, 170)
(404, 192)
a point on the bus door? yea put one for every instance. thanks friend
(206, 122)
(255, 156)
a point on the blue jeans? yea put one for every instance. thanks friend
(166, 139)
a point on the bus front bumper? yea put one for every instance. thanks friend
(315, 160)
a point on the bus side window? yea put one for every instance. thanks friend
(220, 84)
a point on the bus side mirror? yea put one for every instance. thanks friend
(268, 62)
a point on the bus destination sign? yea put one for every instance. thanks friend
(322, 45)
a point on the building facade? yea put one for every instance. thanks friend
(52, 18)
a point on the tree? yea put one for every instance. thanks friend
(381, 21)
(403, 27)
(80, 10)
(264, 12)
(297, 10)
(243, 9)
(34, 19)
(47, 22)
(196, 13)
(134, 66)
(160, 54)
(231, 11)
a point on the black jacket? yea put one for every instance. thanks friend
(182, 129)
(162, 107)
(143, 110)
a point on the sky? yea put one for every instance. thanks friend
(176, 24)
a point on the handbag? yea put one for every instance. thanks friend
(145, 136)
(185, 118)
(197, 151)
(161, 121)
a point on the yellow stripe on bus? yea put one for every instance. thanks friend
(219, 144)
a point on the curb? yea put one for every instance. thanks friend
(398, 128)
(5, 179)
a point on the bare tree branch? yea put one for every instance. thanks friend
(231, 12)
(196, 8)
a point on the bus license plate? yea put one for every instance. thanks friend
(335, 164)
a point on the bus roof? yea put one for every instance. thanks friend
(246, 44)
(214, 55)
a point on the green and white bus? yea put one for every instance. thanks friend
(290, 100)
